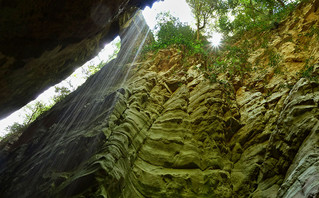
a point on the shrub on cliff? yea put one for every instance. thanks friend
(170, 31)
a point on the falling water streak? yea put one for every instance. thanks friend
(91, 111)
(75, 111)
(135, 57)
(97, 81)
(123, 80)
(130, 67)
(106, 84)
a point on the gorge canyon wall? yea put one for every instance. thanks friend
(167, 131)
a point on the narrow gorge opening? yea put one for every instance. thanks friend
(172, 115)
(20, 119)
(27, 114)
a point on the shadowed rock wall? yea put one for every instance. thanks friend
(61, 157)
(42, 42)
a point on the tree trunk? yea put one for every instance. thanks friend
(198, 28)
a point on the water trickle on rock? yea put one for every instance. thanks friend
(67, 124)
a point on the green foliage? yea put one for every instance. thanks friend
(202, 10)
(265, 42)
(14, 131)
(233, 61)
(170, 31)
(92, 69)
(36, 110)
(224, 25)
(307, 71)
(15, 128)
(251, 15)
(61, 93)
(117, 46)
(215, 68)
(275, 60)
(314, 30)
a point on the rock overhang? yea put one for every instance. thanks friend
(42, 42)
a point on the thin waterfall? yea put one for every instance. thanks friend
(70, 120)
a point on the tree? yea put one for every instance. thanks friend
(250, 14)
(202, 10)
(35, 110)
(170, 31)
(62, 92)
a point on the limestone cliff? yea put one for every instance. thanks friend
(168, 131)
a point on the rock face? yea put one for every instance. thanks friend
(167, 131)
(51, 170)
(42, 42)
(177, 153)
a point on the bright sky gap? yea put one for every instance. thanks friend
(76, 79)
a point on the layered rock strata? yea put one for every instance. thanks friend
(179, 136)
